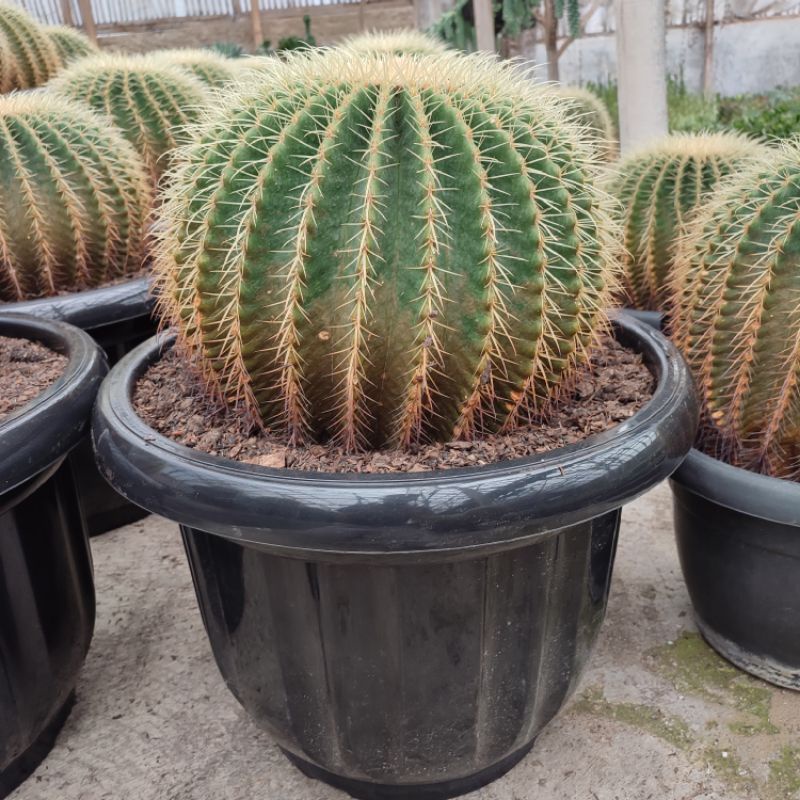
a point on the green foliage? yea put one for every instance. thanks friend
(212, 69)
(590, 113)
(457, 26)
(28, 58)
(688, 112)
(376, 249)
(227, 49)
(772, 116)
(737, 317)
(75, 199)
(658, 189)
(289, 43)
(70, 43)
(149, 101)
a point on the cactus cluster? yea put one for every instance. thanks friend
(658, 189)
(395, 42)
(75, 199)
(213, 69)
(736, 300)
(149, 101)
(380, 250)
(70, 43)
(27, 56)
(590, 112)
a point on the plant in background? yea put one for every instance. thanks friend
(773, 116)
(690, 112)
(512, 17)
(227, 49)
(290, 43)
(27, 56)
(211, 68)
(385, 249)
(399, 42)
(149, 101)
(75, 199)
(70, 43)
(658, 189)
(737, 315)
(590, 112)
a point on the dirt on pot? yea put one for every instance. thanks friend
(27, 368)
(169, 397)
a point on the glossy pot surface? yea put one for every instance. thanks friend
(403, 636)
(46, 586)
(738, 536)
(118, 317)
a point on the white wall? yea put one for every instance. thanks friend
(752, 56)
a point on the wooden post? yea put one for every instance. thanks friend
(484, 25)
(255, 18)
(66, 13)
(641, 72)
(85, 7)
(708, 61)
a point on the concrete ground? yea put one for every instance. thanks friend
(658, 715)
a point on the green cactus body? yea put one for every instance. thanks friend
(74, 199)
(590, 112)
(27, 56)
(397, 42)
(737, 315)
(386, 249)
(70, 43)
(212, 69)
(150, 102)
(658, 189)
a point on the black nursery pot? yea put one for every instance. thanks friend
(402, 636)
(738, 539)
(46, 586)
(118, 318)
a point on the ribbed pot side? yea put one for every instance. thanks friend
(403, 636)
(465, 660)
(47, 602)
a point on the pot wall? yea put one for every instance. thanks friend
(47, 609)
(411, 674)
(742, 571)
(118, 318)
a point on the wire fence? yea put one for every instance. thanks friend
(130, 12)
(599, 14)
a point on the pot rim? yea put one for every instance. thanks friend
(772, 499)
(42, 431)
(495, 504)
(92, 308)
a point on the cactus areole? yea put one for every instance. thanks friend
(386, 249)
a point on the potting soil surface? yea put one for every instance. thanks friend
(26, 369)
(169, 397)
(657, 715)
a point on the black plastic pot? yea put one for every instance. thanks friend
(118, 318)
(739, 544)
(402, 636)
(655, 319)
(46, 586)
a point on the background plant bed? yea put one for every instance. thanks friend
(403, 635)
(118, 317)
(46, 586)
(738, 539)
